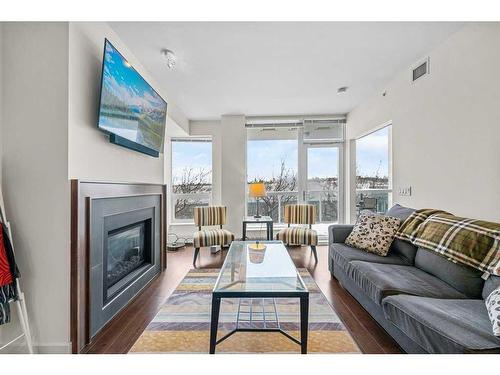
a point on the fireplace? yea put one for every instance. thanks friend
(127, 254)
(124, 253)
(118, 233)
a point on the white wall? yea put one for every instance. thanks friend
(91, 156)
(35, 172)
(446, 129)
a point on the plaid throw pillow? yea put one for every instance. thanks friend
(472, 242)
(408, 230)
(373, 233)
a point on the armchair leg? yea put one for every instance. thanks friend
(196, 252)
(313, 248)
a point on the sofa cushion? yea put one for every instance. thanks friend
(443, 325)
(461, 277)
(405, 248)
(343, 254)
(490, 285)
(381, 280)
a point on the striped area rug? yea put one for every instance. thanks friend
(183, 323)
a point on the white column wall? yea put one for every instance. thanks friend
(233, 170)
(35, 173)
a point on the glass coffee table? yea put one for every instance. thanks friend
(262, 274)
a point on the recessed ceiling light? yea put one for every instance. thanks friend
(170, 57)
(342, 90)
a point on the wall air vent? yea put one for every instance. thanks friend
(420, 70)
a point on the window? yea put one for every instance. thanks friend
(272, 159)
(373, 171)
(191, 176)
(323, 181)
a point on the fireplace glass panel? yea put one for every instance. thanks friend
(127, 255)
(126, 252)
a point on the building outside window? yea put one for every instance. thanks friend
(373, 171)
(191, 176)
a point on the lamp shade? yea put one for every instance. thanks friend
(257, 190)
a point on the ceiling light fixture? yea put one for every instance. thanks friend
(341, 90)
(170, 57)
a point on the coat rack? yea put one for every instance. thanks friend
(21, 301)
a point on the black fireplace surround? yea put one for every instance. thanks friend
(124, 253)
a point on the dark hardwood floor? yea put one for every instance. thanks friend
(120, 335)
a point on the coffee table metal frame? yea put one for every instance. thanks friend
(302, 295)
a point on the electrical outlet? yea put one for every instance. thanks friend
(215, 249)
(405, 191)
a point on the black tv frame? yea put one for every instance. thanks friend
(115, 138)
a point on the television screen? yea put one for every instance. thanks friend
(129, 107)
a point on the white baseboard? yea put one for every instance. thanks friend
(53, 348)
(45, 348)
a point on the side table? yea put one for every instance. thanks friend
(261, 220)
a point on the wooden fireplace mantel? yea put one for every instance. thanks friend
(81, 194)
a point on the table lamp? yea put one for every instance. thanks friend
(257, 190)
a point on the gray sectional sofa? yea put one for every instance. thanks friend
(427, 303)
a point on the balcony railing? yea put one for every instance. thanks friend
(183, 205)
(327, 205)
(273, 205)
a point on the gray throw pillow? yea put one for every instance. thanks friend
(493, 307)
(373, 233)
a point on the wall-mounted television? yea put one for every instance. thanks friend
(130, 110)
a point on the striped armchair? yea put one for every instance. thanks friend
(300, 214)
(210, 216)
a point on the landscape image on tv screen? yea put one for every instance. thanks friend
(129, 106)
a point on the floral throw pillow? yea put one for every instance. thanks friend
(493, 307)
(373, 233)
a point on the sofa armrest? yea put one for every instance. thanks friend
(337, 233)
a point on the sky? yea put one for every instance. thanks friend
(372, 154)
(264, 157)
(197, 155)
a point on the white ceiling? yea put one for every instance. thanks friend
(277, 68)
